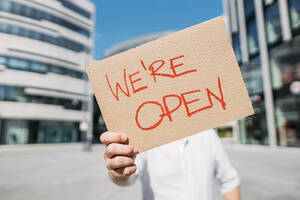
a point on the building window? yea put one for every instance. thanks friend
(15, 132)
(3, 27)
(33, 66)
(253, 76)
(75, 74)
(5, 5)
(2, 60)
(25, 11)
(295, 13)
(253, 129)
(237, 46)
(249, 8)
(225, 132)
(16, 63)
(58, 132)
(253, 79)
(75, 8)
(252, 37)
(285, 68)
(32, 131)
(39, 67)
(58, 41)
(254, 61)
(266, 2)
(57, 70)
(2, 93)
(17, 94)
(272, 20)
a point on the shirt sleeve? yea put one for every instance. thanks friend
(140, 162)
(225, 172)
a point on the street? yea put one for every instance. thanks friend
(65, 171)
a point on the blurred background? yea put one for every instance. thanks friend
(50, 122)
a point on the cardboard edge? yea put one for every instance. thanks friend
(211, 20)
(90, 68)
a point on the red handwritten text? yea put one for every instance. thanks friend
(154, 69)
(165, 111)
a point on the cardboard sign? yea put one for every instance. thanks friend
(173, 87)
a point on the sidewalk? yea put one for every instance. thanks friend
(64, 171)
(267, 173)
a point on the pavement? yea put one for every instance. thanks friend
(65, 171)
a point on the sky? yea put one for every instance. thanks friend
(121, 20)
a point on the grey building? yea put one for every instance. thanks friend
(265, 35)
(44, 92)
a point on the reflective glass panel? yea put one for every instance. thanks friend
(252, 37)
(249, 8)
(295, 13)
(15, 94)
(2, 92)
(18, 64)
(237, 46)
(26, 11)
(3, 60)
(285, 68)
(272, 20)
(39, 67)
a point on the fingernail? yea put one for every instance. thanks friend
(124, 138)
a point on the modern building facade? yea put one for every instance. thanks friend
(265, 36)
(44, 92)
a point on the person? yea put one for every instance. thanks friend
(184, 169)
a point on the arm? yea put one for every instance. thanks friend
(233, 194)
(225, 172)
(119, 158)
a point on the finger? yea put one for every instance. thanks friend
(119, 162)
(125, 171)
(129, 170)
(116, 149)
(113, 137)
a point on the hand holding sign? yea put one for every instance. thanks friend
(172, 87)
(119, 156)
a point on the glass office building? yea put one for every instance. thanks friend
(44, 92)
(265, 36)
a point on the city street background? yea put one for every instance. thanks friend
(45, 95)
(65, 171)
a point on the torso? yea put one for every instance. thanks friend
(181, 170)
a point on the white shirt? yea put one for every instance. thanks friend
(186, 169)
